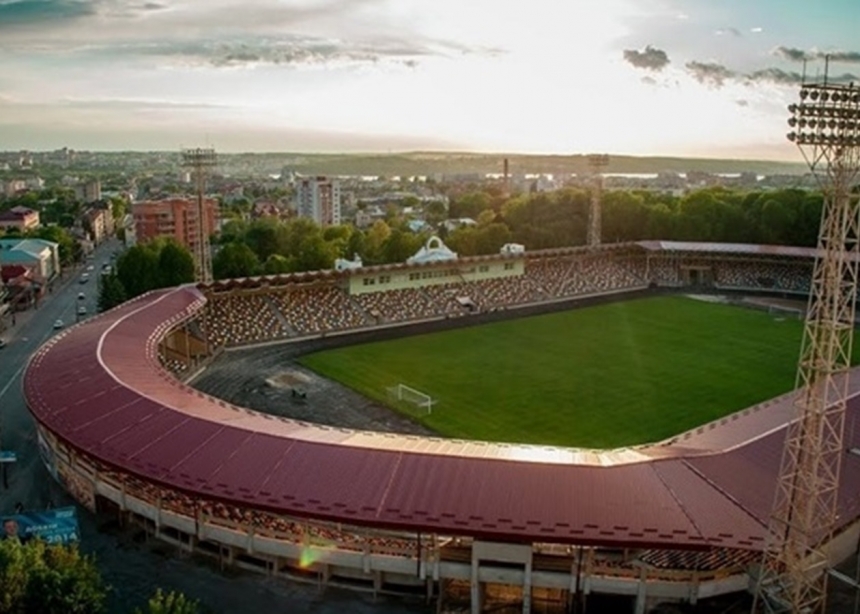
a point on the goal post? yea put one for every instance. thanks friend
(402, 392)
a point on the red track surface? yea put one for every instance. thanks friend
(99, 387)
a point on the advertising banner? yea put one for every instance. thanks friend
(58, 526)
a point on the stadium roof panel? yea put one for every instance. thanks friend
(129, 413)
(742, 249)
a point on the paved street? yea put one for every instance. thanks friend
(132, 568)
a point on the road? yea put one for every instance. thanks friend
(132, 568)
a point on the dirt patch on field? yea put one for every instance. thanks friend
(269, 380)
(288, 379)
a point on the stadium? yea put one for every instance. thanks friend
(471, 524)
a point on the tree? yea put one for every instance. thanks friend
(137, 269)
(400, 245)
(277, 265)
(111, 292)
(175, 265)
(374, 239)
(35, 577)
(70, 250)
(265, 238)
(235, 260)
(470, 205)
(169, 603)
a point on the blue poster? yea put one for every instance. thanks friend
(59, 526)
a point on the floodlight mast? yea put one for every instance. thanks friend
(200, 161)
(793, 578)
(596, 162)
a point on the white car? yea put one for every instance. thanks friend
(58, 324)
(82, 311)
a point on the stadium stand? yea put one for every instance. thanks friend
(676, 519)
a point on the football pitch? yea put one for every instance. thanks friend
(613, 375)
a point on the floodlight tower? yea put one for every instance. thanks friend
(826, 128)
(200, 161)
(596, 162)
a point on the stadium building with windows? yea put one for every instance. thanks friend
(472, 524)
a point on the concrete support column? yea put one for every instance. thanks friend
(527, 588)
(641, 596)
(475, 587)
(377, 582)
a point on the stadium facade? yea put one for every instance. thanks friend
(465, 522)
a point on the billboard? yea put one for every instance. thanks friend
(57, 526)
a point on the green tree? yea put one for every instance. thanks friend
(118, 208)
(266, 237)
(400, 245)
(169, 603)
(235, 260)
(111, 292)
(69, 249)
(35, 577)
(470, 205)
(374, 239)
(277, 265)
(137, 269)
(175, 265)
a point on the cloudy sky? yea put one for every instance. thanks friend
(663, 77)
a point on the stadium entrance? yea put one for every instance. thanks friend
(697, 276)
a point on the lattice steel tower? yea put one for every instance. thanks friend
(200, 161)
(596, 162)
(826, 128)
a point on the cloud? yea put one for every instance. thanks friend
(742, 103)
(730, 31)
(16, 13)
(649, 59)
(283, 51)
(709, 73)
(757, 30)
(794, 54)
(791, 54)
(783, 77)
(775, 75)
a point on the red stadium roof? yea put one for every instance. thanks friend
(99, 387)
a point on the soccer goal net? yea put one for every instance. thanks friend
(402, 392)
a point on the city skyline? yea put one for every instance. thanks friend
(644, 77)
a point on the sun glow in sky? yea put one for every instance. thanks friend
(649, 77)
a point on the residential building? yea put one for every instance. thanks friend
(129, 235)
(41, 258)
(98, 223)
(89, 192)
(14, 186)
(318, 198)
(20, 218)
(173, 217)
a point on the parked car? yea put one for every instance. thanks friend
(58, 324)
(2, 343)
(81, 296)
(85, 278)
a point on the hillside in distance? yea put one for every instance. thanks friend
(428, 163)
(404, 164)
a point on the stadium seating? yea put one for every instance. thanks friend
(300, 309)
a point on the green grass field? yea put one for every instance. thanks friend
(602, 377)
